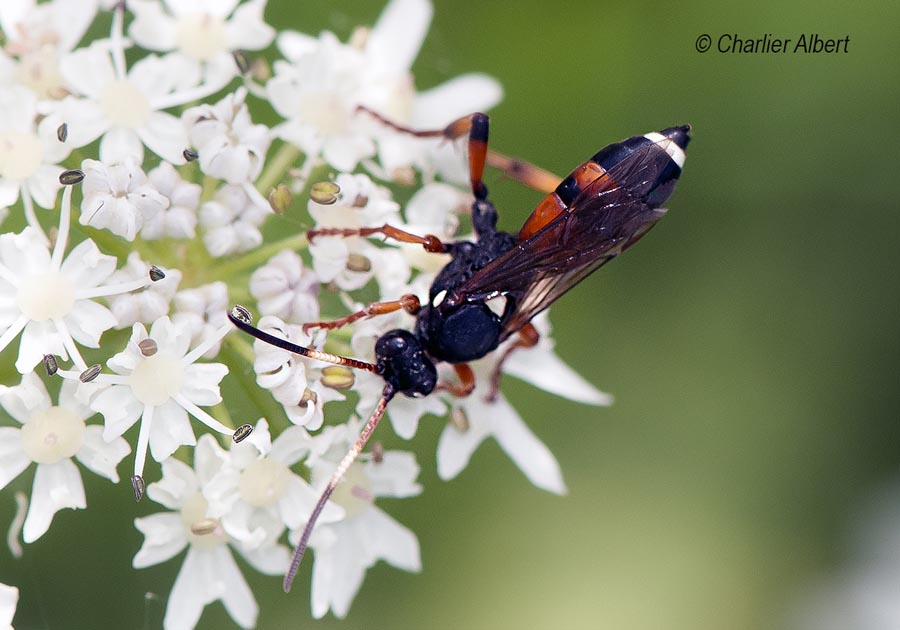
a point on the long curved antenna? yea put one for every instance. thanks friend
(241, 318)
(339, 473)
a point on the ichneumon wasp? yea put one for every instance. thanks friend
(602, 208)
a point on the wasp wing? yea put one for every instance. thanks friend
(603, 220)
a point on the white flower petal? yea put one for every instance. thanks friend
(455, 98)
(391, 541)
(119, 145)
(164, 538)
(44, 185)
(9, 597)
(177, 485)
(120, 410)
(397, 36)
(100, 456)
(205, 576)
(543, 368)
(171, 429)
(530, 454)
(455, 448)
(270, 560)
(152, 28)
(165, 136)
(56, 486)
(12, 457)
(395, 475)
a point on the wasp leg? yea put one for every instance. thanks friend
(476, 127)
(466, 384)
(430, 242)
(528, 338)
(409, 303)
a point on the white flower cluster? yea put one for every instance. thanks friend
(170, 189)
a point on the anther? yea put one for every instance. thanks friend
(242, 433)
(280, 198)
(189, 155)
(71, 177)
(324, 193)
(148, 347)
(62, 132)
(137, 484)
(90, 374)
(241, 314)
(377, 452)
(309, 396)
(204, 527)
(242, 61)
(459, 419)
(360, 201)
(156, 274)
(358, 262)
(50, 365)
(338, 377)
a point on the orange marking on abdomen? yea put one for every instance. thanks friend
(548, 209)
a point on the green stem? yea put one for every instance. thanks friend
(260, 255)
(276, 167)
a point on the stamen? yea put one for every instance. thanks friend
(338, 377)
(242, 61)
(138, 486)
(204, 346)
(189, 155)
(156, 274)
(325, 193)
(204, 527)
(65, 217)
(73, 176)
(148, 347)
(140, 451)
(202, 416)
(280, 199)
(69, 344)
(50, 365)
(459, 419)
(62, 132)
(242, 433)
(90, 374)
(358, 262)
(112, 289)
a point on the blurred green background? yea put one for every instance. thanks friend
(751, 341)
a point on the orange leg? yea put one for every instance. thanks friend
(528, 338)
(430, 242)
(409, 303)
(476, 127)
(466, 383)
